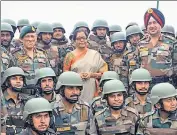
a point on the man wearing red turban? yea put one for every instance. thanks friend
(156, 54)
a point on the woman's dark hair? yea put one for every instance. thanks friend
(77, 31)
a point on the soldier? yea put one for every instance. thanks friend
(11, 22)
(156, 54)
(37, 117)
(168, 30)
(21, 23)
(7, 35)
(131, 24)
(99, 40)
(122, 61)
(99, 103)
(114, 28)
(45, 32)
(29, 57)
(140, 84)
(133, 34)
(116, 118)
(46, 80)
(71, 114)
(13, 81)
(35, 24)
(164, 99)
(58, 38)
(5, 59)
(3, 114)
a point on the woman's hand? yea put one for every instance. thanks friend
(85, 75)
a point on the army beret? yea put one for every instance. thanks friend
(156, 14)
(26, 29)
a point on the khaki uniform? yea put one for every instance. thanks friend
(28, 64)
(157, 60)
(106, 124)
(76, 122)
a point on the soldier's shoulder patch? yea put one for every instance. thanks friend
(16, 50)
(99, 112)
(94, 100)
(130, 109)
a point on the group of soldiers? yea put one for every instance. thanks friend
(138, 94)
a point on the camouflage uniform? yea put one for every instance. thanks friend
(77, 121)
(157, 60)
(14, 121)
(174, 58)
(28, 64)
(105, 124)
(123, 62)
(3, 114)
(51, 50)
(103, 46)
(5, 62)
(28, 131)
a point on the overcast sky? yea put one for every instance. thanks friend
(69, 12)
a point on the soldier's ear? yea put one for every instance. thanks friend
(158, 105)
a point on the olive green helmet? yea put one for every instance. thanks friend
(44, 72)
(58, 25)
(36, 105)
(35, 24)
(44, 28)
(134, 30)
(11, 22)
(168, 29)
(109, 75)
(115, 28)
(11, 72)
(100, 23)
(130, 24)
(7, 27)
(161, 91)
(23, 22)
(69, 78)
(140, 75)
(118, 36)
(81, 24)
(143, 28)
(113, 86)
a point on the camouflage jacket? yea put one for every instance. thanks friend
(76, 122)
(28, 131)
(104, 47)
(6, 59)
(105, 124)
(28, 64)
(63, 43)
(14, 122)
(158, 59)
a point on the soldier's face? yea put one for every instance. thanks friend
(41, 121)
(81, 40)
(119, 45)
(58, 33)
(72, 92)
(153, 27)
(134, 38)
(29, 40)
(142, 86)
(101, 32)
(170, 104)
(46, 36)
(16, 81)
(5, 38)
(116, 99)
(47, 83)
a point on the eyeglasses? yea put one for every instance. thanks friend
(81, 38)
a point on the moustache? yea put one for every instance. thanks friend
(144, 89)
